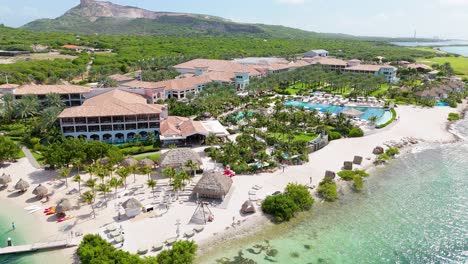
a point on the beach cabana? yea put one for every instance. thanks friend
(5, 179)
(353, 112)
(128, 162)
(63, 206)
(132, 207)
(22, 185)
(213, 185)
(177, 158)
(40, 191)
(146, 163)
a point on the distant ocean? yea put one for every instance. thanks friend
(414, 210)
(446, 46)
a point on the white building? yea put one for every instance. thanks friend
(316, 53)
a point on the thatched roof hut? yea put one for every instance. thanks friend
(213, 184)
(177, 158)
(104, 161)
(5, 179)
(248, 207)
(63, 206)
(40, 191)
(146, 163)
(22, 185)
(128, 162)
(132, 207)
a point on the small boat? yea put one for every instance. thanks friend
(35, 210)
(31, 207)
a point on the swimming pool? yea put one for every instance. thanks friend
(383, 115)
(441, 104)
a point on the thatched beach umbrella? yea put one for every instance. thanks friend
(63, 206)
(177, 158)
(22, 185)
(248, 207)
(5, 179)
(132, 207)
(104, 161)
(146, 163)
(40, 191)
(352, 112)
(129, 162)
(213, 184)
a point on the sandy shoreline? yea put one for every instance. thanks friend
(426, 124)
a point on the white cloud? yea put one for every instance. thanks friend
(453, 2)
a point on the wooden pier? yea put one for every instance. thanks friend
(38, 246)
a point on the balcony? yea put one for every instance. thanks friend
(69, 130)
(80, 129)
(106, 128)
(106, 120)
(93, 120)
(94, 129)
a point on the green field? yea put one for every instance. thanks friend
(459, 64)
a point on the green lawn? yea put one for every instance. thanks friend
(153, 157)
(383, 88)
(297, 137)
(135, 150)
(39, 158)
(459, 64)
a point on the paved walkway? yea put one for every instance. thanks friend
(31, 158)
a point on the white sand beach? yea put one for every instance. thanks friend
(426, 124)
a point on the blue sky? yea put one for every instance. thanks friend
(442, 18)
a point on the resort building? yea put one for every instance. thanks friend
(71, 95)
(8, 88)
(418, 67)
(115, 117)
(443, 90)
(316, 53)
(121, 78)
(184, 131)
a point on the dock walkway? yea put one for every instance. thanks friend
(38, 246)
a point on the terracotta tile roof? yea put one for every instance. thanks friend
(48, 89)
(217, 66)
(143, 85)
(9, 86)
(326, 61)
(368, 67)
(121, 78)
(113, 103)
(176, 126)
(70, 47)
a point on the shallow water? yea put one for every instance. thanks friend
(415, 210)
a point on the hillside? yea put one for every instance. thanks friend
(92, 17)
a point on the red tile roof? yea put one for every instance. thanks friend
(48, 89)
(218, 66)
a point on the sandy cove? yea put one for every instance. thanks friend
(426, 124)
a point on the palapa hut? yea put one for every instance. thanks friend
(22, 185)
(5, 179)
(63, 206)
(177, 158)
(353, 112)
(146, 163)
(248, 207)
(129, 162)
(40, 191)
(213, 185)
(132, 207)
(104, 161)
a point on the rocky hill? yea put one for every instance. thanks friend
(91, 17)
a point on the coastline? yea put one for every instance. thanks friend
(413, 122)
(262, 222)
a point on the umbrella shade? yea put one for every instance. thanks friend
(22, 185)
(352, 112)
(177, 158)
(248, 207)
(129, 162)
(104, 161)
(146, 163)
(5, 179)
(213, 185)
(132, 203)
(40, 191)
(63, 206)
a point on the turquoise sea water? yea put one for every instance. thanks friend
(414, 210)
(383, 115)
(460, 50)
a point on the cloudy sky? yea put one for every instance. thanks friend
(394, 18)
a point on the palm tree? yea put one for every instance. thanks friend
(77, 163)
(169, 172)
(90, 169)
(91, 183)
(151, 184)
(8, 106)
(133, 169)
(88, 197)
(115, 183)
(193, 166)
(146, 170)
(178, 184)
(123, 174)
(104, 189)
(27, 106)
(102, 172)
(373, 119)
(54, 100)
(77, 179)
(63, 174)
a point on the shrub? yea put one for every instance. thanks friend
(333, 135)
(392, 152)
(348, 175)
(454, 116)
(181, 252)
(356, 132)
(300, 195)
(327, 189)
(280, 207)
(358, 183)
(8, 149)
(383, 157)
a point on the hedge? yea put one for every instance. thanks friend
(394, 115)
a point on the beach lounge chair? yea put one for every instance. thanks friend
(158, 247)
(189, 234)
(142, 251)
(171, 241)
(118, 239)
(111, 228)
(198, 229)
(252, 192)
